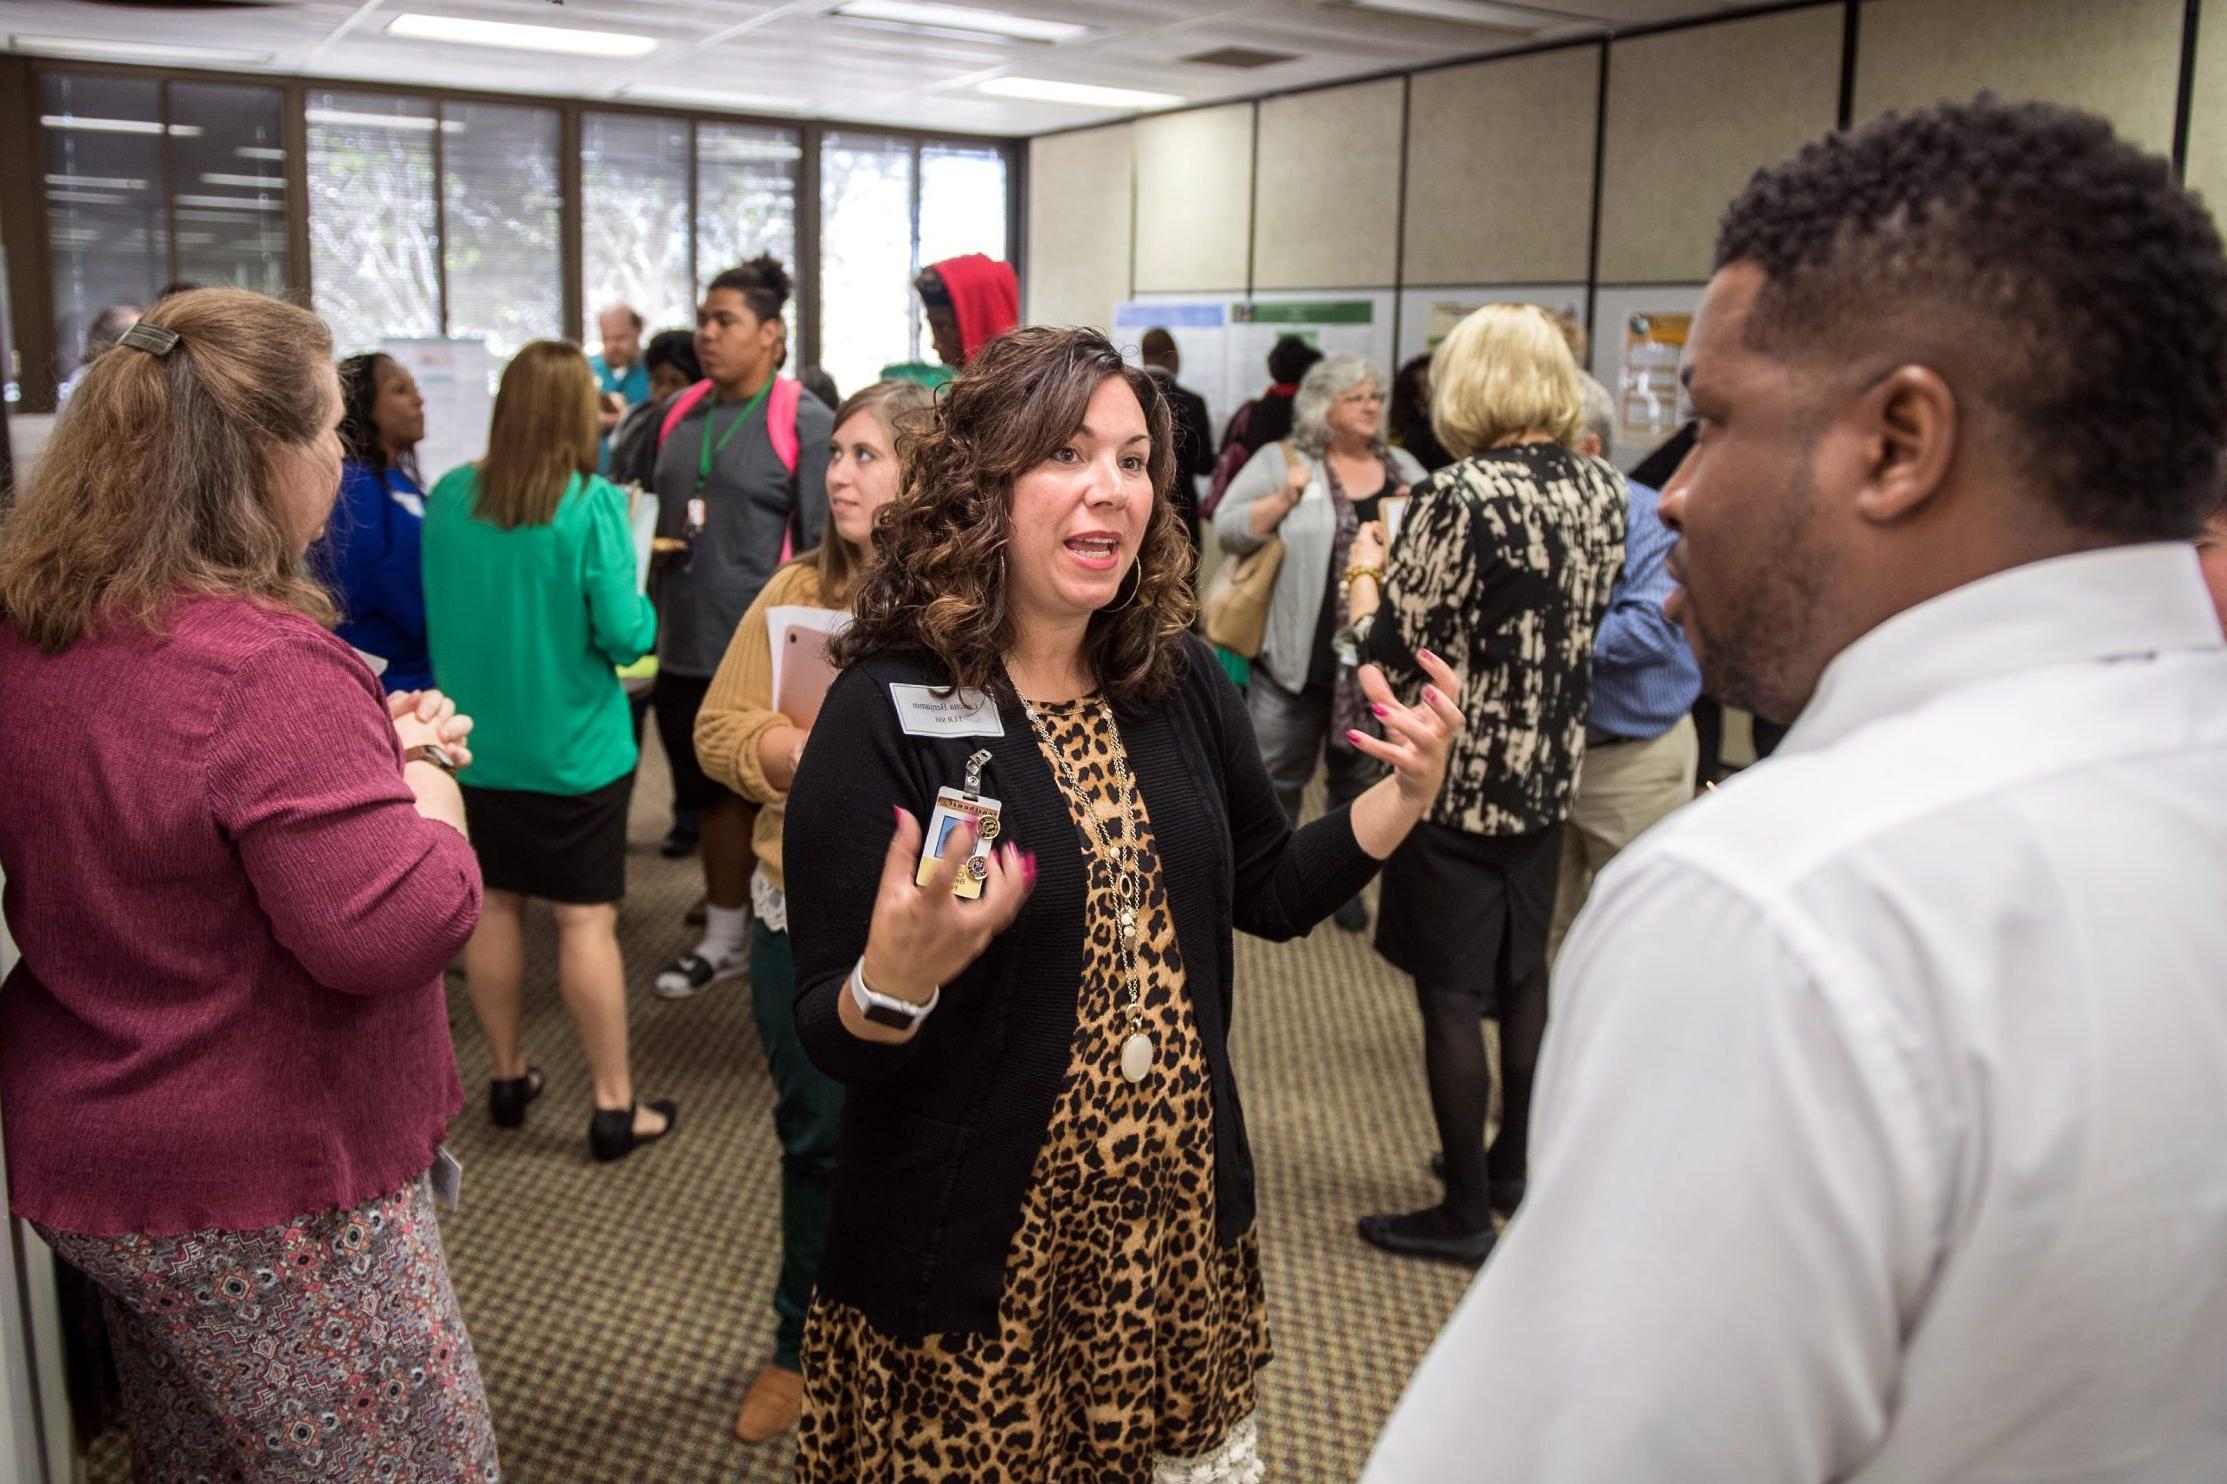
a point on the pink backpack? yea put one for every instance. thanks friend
(781, 404)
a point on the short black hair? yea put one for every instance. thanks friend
(2095, 286)
(1289, 358)
(675, 348)
(763, 283)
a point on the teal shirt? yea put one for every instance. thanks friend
(527, 626)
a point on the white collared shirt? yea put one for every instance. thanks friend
(1881, 1127)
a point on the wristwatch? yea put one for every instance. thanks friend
(883, 1009)
(430, 752)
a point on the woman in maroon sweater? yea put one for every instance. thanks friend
(235, 872)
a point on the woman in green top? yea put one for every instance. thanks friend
(531, 599)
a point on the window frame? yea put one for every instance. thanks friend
(24, 211)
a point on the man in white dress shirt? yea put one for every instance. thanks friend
(1881, 1132)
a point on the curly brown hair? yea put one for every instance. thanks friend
(938, 581)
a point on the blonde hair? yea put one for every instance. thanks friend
(156, 483)
(542, 434)
(1504, 372)
(898, 406)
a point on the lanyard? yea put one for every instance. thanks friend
(711, 450)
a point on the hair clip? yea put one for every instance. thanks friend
(152, 339)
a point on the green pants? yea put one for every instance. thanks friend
(807, 1111)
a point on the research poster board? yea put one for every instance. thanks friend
(1201, 331)
(1650, 401)
(454, 377)
(1356, 322)
(1426, 314)
(1613, 309)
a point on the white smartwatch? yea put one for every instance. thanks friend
(883, 1009)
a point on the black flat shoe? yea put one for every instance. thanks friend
(1506, 1194)
(507, 1097)
(1353, 916)
(611, 1132)
(1427, 1234)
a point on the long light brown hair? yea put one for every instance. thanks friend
(897, 406)
(542, 434)
(156, 485)
(938, 580)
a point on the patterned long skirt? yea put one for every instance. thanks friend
(328, 1348)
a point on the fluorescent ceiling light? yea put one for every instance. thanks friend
(96, 182)
(116, 126)
(962, 18)
(251, 182)
(89, 198)
(348, 118)
(568, 40)
(1471, 13)
(259, 152)
(94, 49)
(1081, 94)
(709, 98)
(231, 203)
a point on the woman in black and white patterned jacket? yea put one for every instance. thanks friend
(1502, 567)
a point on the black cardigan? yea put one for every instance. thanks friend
(941, 1134)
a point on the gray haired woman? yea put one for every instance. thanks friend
(1315, 491)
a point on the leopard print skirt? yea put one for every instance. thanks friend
(1128, 1337)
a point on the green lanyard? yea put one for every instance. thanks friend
(712, 450)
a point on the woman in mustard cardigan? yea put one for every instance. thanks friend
(744, 743)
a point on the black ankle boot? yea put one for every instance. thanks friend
(507, 1097)
(611, 1131)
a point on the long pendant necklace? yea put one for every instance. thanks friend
(1136, 1048)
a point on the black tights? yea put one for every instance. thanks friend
(1460, 1080)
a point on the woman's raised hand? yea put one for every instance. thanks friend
(1416, 738)
(923, 937)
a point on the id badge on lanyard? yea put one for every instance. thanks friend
(954, 806)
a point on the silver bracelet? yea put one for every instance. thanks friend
(889, 1010)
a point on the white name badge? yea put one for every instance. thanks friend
(924, 711)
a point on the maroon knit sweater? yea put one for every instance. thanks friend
(233, 924)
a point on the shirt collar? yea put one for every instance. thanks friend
(2113, 603)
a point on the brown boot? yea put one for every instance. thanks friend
(771, 1409)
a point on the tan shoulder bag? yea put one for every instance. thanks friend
(1236, 605)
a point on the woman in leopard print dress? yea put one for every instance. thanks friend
(1041, 1262)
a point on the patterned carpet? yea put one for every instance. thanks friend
(618, 1311)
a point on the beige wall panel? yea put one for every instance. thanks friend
(2119, 58)
(1194, 200)
(1327, 212)
(1691, 115)
(1500, 170)
(1079, 207)
(2207, 120)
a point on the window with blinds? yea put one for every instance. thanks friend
(373, 218)
(635, 217)
(867, 304)
(502, 225)
(962, 201)
(108, 240)
(228, 185)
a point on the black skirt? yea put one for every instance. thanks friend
(1458, 908)
(559, 847)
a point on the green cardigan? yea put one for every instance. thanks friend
(526, 626)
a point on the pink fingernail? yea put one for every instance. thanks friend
(1426, 654)
(1430, 694)
(1352, 735)
(1377, 707)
